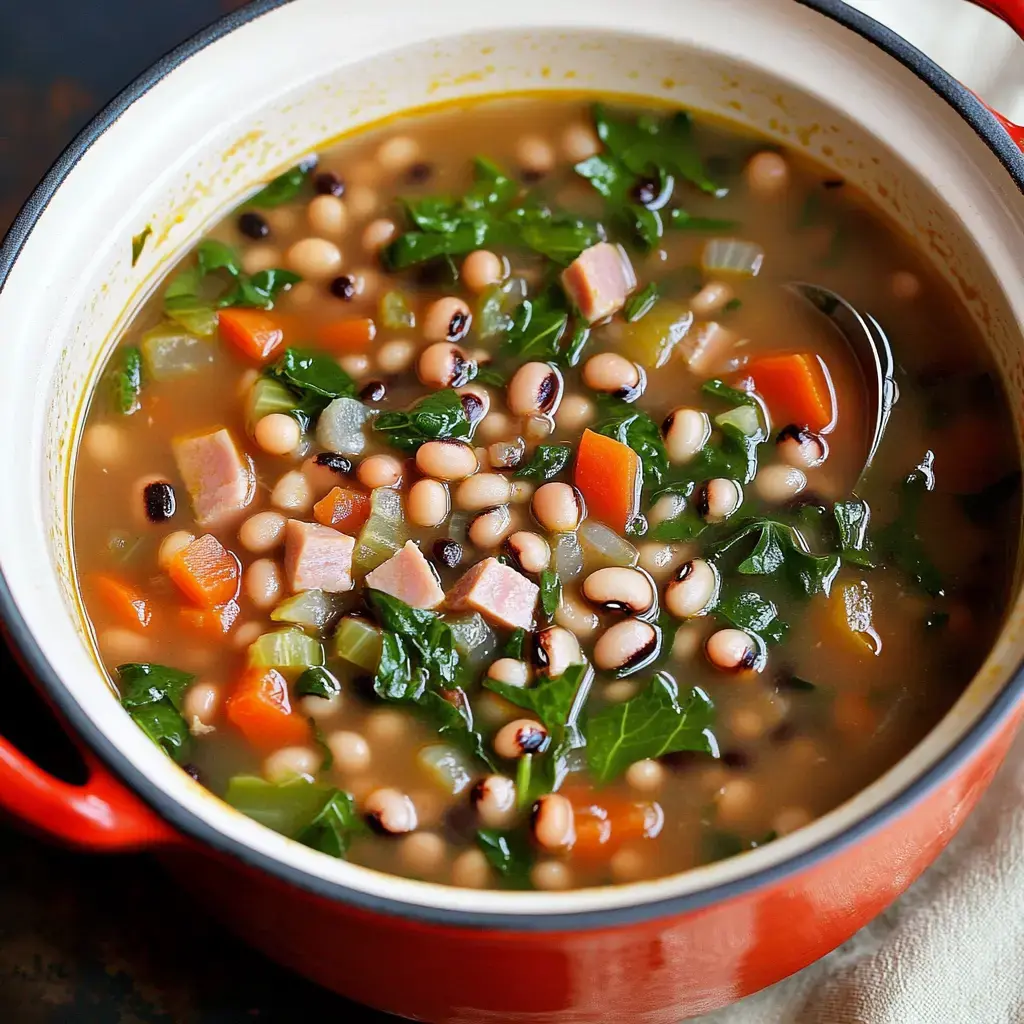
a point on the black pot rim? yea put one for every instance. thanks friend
(988, 128)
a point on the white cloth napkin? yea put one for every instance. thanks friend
(951, 951)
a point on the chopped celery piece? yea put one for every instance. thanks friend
(312, 608)
(449, 767)
(266, 396)
(384, 532)
(567, 556)
(170, 351)
(651, 339)
(286, 648)
(744, 418)
(358, 642)
(200, 319)
(474, 639)
(286, 808)
(395, 313)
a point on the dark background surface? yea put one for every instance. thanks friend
(105, 940)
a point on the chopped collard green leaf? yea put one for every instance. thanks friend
(438, 415)
(641, 303)
(153, 695)
(547, 461)
(509, 853)
(284, 188)
(633, 427)
(550, 591)
(316, 380)
(126, 381)
(317, 682)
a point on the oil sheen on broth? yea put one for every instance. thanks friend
(625, 613)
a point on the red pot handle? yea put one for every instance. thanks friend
(102, 815)
(1012, 12)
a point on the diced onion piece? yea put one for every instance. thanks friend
(568, 556)
(170, 351)
(651, 339)
(474, 639)
(707, 348)
(358, 642)
(395, 313)
(602, 546)
(265, 397)
(312, 608)
(732, 256)
(286, 648)
(340, 426)
(448, 767)
(384, 532)
(745, 418)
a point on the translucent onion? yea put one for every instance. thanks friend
(340, 426)
(604, 547)
(286, 648)
(707, 349)
(448, 767)
(358, 642)
(568, 556)
(312, 608)
(732, 256)
(170, 351)
(384, 532)
(474, 639)
(395, 313)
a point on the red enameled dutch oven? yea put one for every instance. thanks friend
(247, 97)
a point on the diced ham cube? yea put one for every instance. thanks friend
(599, 280)
(317, 557)
(408, 576)
(219, 478)
(500, 594)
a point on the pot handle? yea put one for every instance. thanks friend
(1012, 12)
(101, 815)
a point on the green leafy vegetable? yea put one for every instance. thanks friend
(633, 427)
(284, 188)
(126, 381)
(754, 614)
(682, 221)
(641, 303)
(509, 853)
(152, 694)
(653, 723)
(485, 375)
(547, 461)
(317, 682)
(550, 591)
(439, 415)
(852, 518)
(723, 845)
(139, 243)
(538, 328)
(334, 827)
(899, 543)
(515, 644)
(315, 378)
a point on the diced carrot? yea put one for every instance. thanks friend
(206, 572)
(123, 600)
(603, 822)
(212, 623)
(796, 388)
(254, 332)
(349, 337)
(260, 709)
(608, 477)
(850, 616)
(344, 509)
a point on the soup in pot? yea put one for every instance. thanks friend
(480, 503)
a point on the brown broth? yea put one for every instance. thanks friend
(788, 754)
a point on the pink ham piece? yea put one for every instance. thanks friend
(408, 576)
(599, 280)
(317, 557)
(220, 480)
(500, 594)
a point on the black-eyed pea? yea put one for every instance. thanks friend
(476, 401)
(380, 471)
(535, 155)
(666, 508)
(172, 544)
(537, 428)
(558, 507)
(534, 390)
(246, 634)
(619, 589)
(390, 811)
(576, 616)
(735, 802)
(379, 233)
(510, 671)
(553, 823)
(686, 431)
(613, 374)
(350, 750)
(660, 559)
(555, 650)
(719, 498)
(443, 365)
(574, 413)
(315, 259)
(767, 175)
(262, 583)
(801, 448)
(292, 493)
(356, 364)
(386, 726)
(489, 529)
(625, 646)
(320, 708)
(629, 865)
(291, 763)
(423, 854)
(778, 483)
(471, 870)
(687, 644)
(530, 550)
(789, 819)
(691, 589)
(105, 443)
(261, 532)
(427, 503)
(447, 319)
(278, 434)
(201, 704)
(327, 216)
(481, 269)
(398, 153)
(449, 459)
(646, 776)
(520, 737)
(579, 142)
(495, 426)
(732, 650)
(715, 295)
(396, 356)
(362, 200)
(494, 799)
(257, 258)
(522, 492)
(551, 876)
(483, 490)
(506, 454)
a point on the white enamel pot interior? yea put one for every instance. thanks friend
(239, 106)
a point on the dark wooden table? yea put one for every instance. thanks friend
(105, 940)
